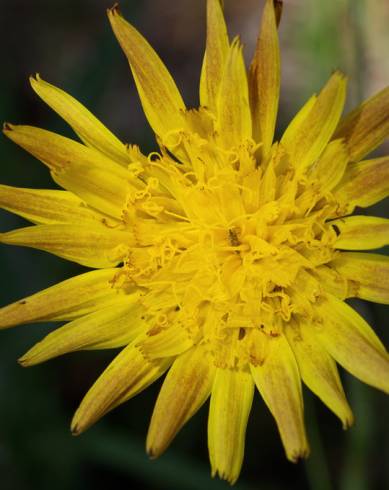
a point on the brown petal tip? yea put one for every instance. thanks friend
(151, 453)
(34, 78)
(278, 4)
(349, 422)
(7, 127)
(75, 430)
(114, 10)
(297, 455)
(23, 361)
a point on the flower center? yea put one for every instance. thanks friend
(230, 255)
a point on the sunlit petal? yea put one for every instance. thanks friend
(264, 78)
(352, 343)
(361, 232)
(90, 130)
(46, 206)
(367, 126)
(215, 55)
(278, 381)
(368, 274)
(128, 374)
(318, 371)
(311, 129)
(234, 119)
(161, 100)
(113, 326)
(187, 386)
(92, 246)
(231, 399)
(363, 184)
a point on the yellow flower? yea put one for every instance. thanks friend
(225, 258)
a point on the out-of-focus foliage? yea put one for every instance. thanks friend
(69, 42)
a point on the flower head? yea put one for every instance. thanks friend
(224, 258)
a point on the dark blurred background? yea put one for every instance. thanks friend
(71, 45)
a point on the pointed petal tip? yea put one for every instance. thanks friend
(23, 361)
(75, 429)
(152, 453)
(237, 41)
(278, 6)
(77, 425)
(348, 421)
(298, 454)
(223, 475)
(343, 78)
(7, 127)
(339, 73)
(37, 82)
(29, 359)
(34, 79)
(340, 77)
(114, 10)
(229, 478)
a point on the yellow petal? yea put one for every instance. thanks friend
(352, 343)
(368, 274)
(46, 206)
(161, 100)
(86, 125)
(185, 389)
(367, 126)
(363, 184)
(200, 121)
(113, 326)
(66, 300)
(215, 55)
(264, 79)
(97, 180)
(299, 119)
(309, 132)
(127, 375)
(234, 118)
(170, 341)
(330, 167)
(318, 371)
(332, 282)
(361, 232)
(92, 246)
(231, 400)
(278, 381)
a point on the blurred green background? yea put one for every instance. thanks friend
(70, 44)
